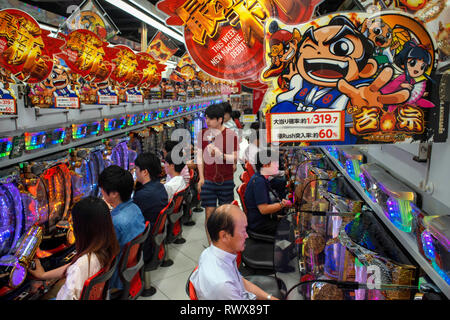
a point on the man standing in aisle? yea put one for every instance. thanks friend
(217, 152)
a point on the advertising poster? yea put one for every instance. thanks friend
(161, 47)
(225, 37)
(127, 74)
(332, 82)
(26, 51)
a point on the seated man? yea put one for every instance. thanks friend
(150, 196)
(116, 185)
(257, 196)
(174, 181)
(217, 276)
(169, 145)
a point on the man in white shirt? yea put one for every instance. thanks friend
(217, 276)
(169, 145)
(174, 180)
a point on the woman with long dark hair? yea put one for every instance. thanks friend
(96, 246)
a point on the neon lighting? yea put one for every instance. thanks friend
(427, 244)
(58, 135)
(353, 169)
(148, 116)
(399, 212)
(121, 122)
(5, 147)
(140, 118)
(79, 131)
(110, 125)
(132, 120)
(34, 140)
(94, 128)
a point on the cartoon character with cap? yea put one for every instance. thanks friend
(283, 50)
(335, 67)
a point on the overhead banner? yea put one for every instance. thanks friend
(333, 81)
(225, 37)
(161, 47)
(90, 16)
(25, 50)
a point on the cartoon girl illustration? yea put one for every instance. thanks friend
(414, 59)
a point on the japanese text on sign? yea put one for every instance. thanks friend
(306, 126)
(67, 102)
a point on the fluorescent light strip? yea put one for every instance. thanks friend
(47, 27)
(154, 15)
(146, 18)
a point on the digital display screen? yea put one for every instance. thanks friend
(35, 140)
(79, 131)
(94, 128)
(110, 125)
(57, 136)
(6, 145)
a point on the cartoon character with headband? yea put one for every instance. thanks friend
(335, 68)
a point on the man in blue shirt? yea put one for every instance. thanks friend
(116, 185)
(150, 196)
(257, 196)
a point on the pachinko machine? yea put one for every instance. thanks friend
(338, 248)
(35, 209)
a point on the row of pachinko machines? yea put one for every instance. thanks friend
(336, 245)
(36, 200)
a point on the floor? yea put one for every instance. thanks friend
(170, 281)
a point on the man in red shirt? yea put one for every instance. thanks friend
(217, 152)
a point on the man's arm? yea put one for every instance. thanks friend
(257, 291)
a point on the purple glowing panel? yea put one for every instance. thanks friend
(18, 275)
(10, 217)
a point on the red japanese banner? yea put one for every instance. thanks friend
(225, 37)
(152, 70)
(128, 71)
(26, 50)
(84, 53)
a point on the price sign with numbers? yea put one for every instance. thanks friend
(7, 106)
(306, 126)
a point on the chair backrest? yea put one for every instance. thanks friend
(190, 290)
(249, 168)
(131, 264)
(178, 200)
(96, 287)
(241, 192)
(245, 177)
(155, 243)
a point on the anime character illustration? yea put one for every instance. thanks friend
(283, 50)
(382, 36)
(60, 83)
(414, 59)
(335, 67)
(5, 80)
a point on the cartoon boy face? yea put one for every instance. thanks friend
(59, 78)
(333, 52)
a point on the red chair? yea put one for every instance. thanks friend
(245, 177)
(190, 290)
(131, 266)
(96, 287)
(174, 226)
(249, 168)
(241, 192)
(155, 248)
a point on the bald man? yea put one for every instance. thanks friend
(217, 276)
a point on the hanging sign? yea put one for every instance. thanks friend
(341, 86)
(161, 47)
(7, 96)
(225, 37)
(25, 50)
(85, 54)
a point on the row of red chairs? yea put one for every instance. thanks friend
(133, 271)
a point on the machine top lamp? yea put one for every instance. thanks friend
(57, 136)
(352, 159)
(79, 131)
(35, 140)
(395, 198)
(148, 116)
(110, 124)
(5, 146)
(131, 120)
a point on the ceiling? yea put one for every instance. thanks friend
(128, 25)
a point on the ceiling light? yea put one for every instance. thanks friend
(146, 18)
(48, 27)
(154, 15)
